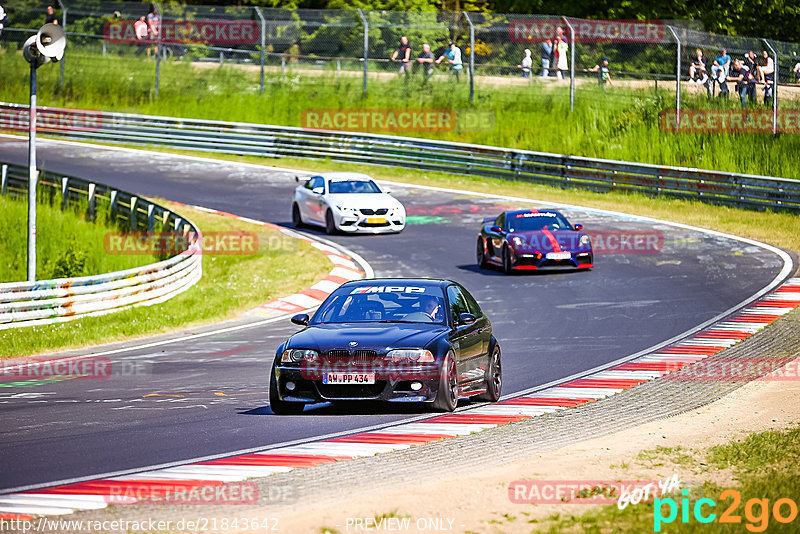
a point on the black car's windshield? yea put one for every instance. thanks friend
(383, 303)
(353, 186)
(533, 220)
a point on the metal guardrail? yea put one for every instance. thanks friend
(743, 190)
(67, 299)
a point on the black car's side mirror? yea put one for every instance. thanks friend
(495, 229)
(301, 319)
(466, 318)
(578, 227)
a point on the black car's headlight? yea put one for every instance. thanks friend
(297, 355)
(412, 355)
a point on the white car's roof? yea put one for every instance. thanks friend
(355, 176)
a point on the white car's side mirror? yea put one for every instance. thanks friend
(387, 190)
(318, 190)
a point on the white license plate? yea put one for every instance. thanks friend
(558, 255)
(348, 378)
(376, 220)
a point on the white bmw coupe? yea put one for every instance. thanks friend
(347, 202)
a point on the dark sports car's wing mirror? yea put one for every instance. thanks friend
(578, 227)
(301, 319)
(466, 318)
(495, 229)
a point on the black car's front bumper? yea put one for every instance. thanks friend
(295, 385)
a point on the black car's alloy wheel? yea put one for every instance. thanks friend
(480, 256)
(494, 378)
(447, 395)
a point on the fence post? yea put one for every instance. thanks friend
(775, 75)
(677, 76)
(263, 45)
(571, 64)
(471, 57)
(158, 45)
(151, 221)
(132, 214)
(91, 202)
(63, 27)
(3, 179)
(64, 192)
(366, 45)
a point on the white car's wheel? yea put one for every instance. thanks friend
(330, 224)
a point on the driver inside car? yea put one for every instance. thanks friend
(431, 307)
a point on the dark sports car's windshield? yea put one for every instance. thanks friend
(532, 221)
(383, 303)
(353, 186)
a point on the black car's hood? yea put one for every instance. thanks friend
(370, 336)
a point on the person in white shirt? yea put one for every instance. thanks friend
(766, 67)
(527, 63)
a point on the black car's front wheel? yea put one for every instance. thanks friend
(279, 406)
(507, 260)
(494, 378)
(480, 255)
(447, 395)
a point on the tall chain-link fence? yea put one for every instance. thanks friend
(565, 55)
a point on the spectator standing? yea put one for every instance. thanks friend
(425, 60)
(796, 72)
(527, 64)
(453, 56)
(547, 57)
(751, 62)
(50, 18)
(765, 67)
(603, 72)
(739, 74)
(140, 31)
(403, 55)
(153, 27)
(3, 19)
(562, 48)
(698, 71)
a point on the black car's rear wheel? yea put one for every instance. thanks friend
(297, 219)
(278, 406)
(330, 224)
(507, 260)
(494, 378)
(480, 256)
(447, 395)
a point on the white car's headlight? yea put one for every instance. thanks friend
(414, 355)
(585, 240)
(297, 355)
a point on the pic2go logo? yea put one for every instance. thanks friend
(756, 511)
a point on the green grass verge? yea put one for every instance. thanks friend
(766, 469)
(230, 285)
(618, 123)
(67, 245)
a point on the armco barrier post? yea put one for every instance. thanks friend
(677, 75)
(471, 58)
(572, 45)
(3, 179)
(32, 177)
(775, 76)
(366, 45)
(263, 45)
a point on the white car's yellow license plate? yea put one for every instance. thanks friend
(558, 255)
(348, 378)
(376, 220)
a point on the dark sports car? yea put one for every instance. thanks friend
(396, 340)
(535, 240)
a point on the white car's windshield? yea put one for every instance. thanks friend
(383, 303)
(353, 186)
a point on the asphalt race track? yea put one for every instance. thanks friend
(207, 396)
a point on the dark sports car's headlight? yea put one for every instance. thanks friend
(413, 355)
(297, 355)
(585, 241)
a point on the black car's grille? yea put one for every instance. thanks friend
(338, 353)
(361, 354)
(367, 211)
(353, 391)
(345, 357)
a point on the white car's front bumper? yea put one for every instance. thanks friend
(354, 221)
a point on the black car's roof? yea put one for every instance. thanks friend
(427, 282)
